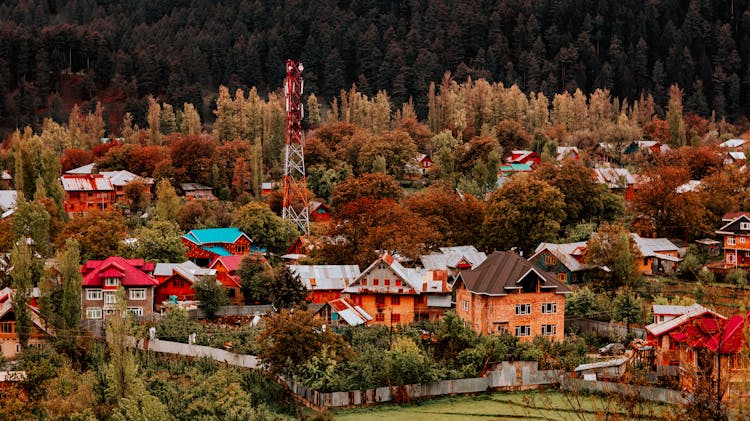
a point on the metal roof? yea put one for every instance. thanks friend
(614, 178)
(85, 182)
(85, 169)
(733, 143)
(218, 250)
(122, 178)
(450, 257)
(658, 329)
(194, 186)
(326, 277)
(353, 314)
(8, 200)
(670, 310)
(564, 151)
(214, 235)
(602, 364)
(650, 247)
(166, 269)
(564, 253)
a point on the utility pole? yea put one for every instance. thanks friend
(296, 200)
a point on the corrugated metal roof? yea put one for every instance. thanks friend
(696, 310)
(194, 187)
(122, 178)
(670, 310)
(166, 269)
(649, 247)
(565, 254)
(85, 182)
(450, 257)
(8, 200)
(614, 178)
(85, 169)
(738, 155)
(733, 143)
(218, 250)
(133, 276)
(353, 314)
(602, 364)
(326, 277)
(214, 235)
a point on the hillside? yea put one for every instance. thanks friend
(182, 51)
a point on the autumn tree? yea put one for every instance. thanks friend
(211, 295)
(264, 227)
(31, 221)
(453, 216)
(167, 202)
(674, 117)
(375, 186)
(521, 214)
(70, 272)
(98, 233)
(159, 241)
(613, 247)
(396, 147)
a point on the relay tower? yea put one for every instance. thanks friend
(296, 203)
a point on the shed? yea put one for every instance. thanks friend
(603, 370)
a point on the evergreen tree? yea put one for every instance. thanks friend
(70, 272)
(287, 289)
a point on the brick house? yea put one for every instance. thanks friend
(736, 232)
(10, 346)
(507, 294)
(205, 245)
(102, 279)
(325, 282)
(565, 260)
(394, 295)
(84, 192)
(179, 283)
(226, 273)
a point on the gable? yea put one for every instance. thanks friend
(738, 226)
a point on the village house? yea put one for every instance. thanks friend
(396, 295)
(650, 147)
(342, 312)
(736, 232)
(618, 180)
(196, 191)
(737, 158)
(205, 245)
(40, 331)
(122, 178)
(319, 212)
(103, 278)
(565, 260)
(226, 268)
(567, 152)
(664, 313)
(84, 192)
(506, 171)
(325, 282)
(453, 260)
(507, 294)
(659, 255)
(176, 280)
(424, 163)
(524, 157)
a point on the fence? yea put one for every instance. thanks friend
(228, 311)
(602, 328)
(654, 394)
(511, 376)
(198, 351)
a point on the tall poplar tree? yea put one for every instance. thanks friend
(22, 282)
(71, 284)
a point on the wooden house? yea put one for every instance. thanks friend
(319, 212)
(84, 192)
(205, 245)
(618, 180)
(424, 163)
(736, 232)
(396, 295)
(103, 278)
(565, 260)
(10, 346)
(226, 268)
(178, 284)
(650, 147)
(659, 255)
(122, 178)
(567, 152)
(342, 312)
(737, 158)
(524, 157)
(507, 294)
(325, 282)
(196, 191)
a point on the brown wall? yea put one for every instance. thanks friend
(147, 304)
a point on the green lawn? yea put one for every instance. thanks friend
(533, 405)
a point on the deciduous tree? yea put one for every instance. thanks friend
(264, 227)
(374, 186)
(613, 247)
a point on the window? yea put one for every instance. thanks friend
(523, 330)
(465, 305)
(523, 309)
(110, 298)
(745, 225)
(138, 294)
(110, 282)
(136, 311)
(395, 318)
(380, 317)
(562, 277)
(364, 282)
(93, 312)
(395, 300)
(380, 299)
(730, 241)
(110, 312)
(549, 308)
(550, 260)
(398, 282)
(549, 330)
(387, 282)
(375, 282)
(742, 240)
(93, 294)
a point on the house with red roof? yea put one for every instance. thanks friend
(319, 212)
(524, 157)
(84, 192)
(103, 278)
(226, 273)
(506, 293)
(205, 245)
(10, 346)
(176, 280)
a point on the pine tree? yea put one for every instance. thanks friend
(287, 289)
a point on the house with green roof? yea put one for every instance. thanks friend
(205, 245)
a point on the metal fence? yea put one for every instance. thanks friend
(229, 311)
(615, 330)
(654, 394)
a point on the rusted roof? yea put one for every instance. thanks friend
(85, 182)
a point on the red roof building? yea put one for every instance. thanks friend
(84, 192)
(176, 280)
(103, 278)
(226, 273)
(524, 157)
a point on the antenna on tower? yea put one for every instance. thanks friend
(296, 202)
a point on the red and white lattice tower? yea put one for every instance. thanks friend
(296, 207)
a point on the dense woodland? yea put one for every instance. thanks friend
(54, 53)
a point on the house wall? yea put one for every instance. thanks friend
(323, 296)
(194, 251)
(78, 202)
(487, 314)
(558, 268)
(174, 285)
(405, 308)
(233, 292)
(737, 253)
(147, 304)
(646, 264)
(10, 346)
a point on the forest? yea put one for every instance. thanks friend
(55, 53)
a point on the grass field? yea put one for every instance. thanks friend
(536, 405)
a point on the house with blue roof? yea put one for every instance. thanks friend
(205, 245)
